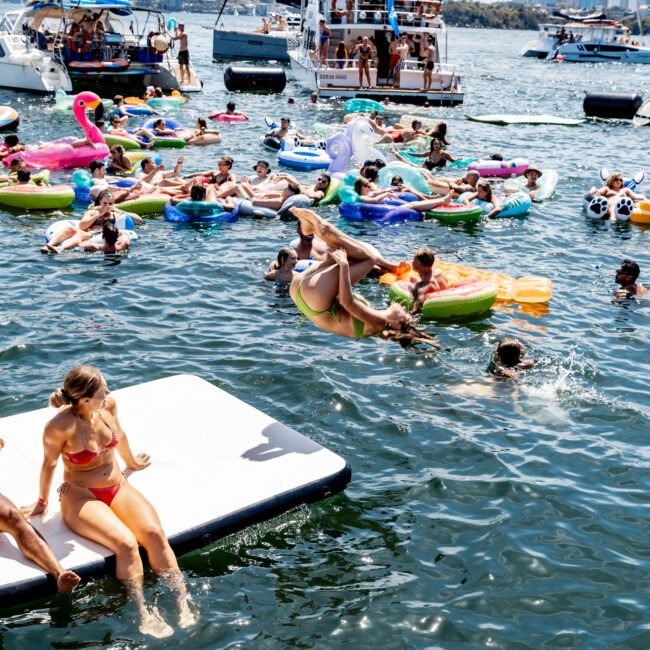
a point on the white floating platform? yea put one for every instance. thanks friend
(218, 465)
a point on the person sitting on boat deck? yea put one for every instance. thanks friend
(323, 292)
(397, 133)
(97, 500)
(435, 158)
(341, 56)
(309, 247)
(532, 174)
(508, 359)
(614, 189)
(366, 195)
(428, 278)
(11, 144)
(626, 276)
(32, 545)
(103, 211)
(281, 270)
(111, 241)
(231, 110)
(200, 131)
(118, 161)
(265, 28)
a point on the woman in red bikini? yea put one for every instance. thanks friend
(97, 501)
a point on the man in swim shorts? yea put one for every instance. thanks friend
(183, 55)
(32, 545)
(430, 279)
(626, 276)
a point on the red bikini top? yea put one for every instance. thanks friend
(86, 456)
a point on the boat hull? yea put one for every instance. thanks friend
(248, 45)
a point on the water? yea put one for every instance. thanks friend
(480, 513)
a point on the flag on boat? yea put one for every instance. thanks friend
(392, 16)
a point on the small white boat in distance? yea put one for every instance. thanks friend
(217, 465)
(590, 41)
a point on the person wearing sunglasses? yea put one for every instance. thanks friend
(614, 189)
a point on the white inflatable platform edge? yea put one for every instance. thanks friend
(218, 465)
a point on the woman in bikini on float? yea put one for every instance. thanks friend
(323, 293)
(97, 501)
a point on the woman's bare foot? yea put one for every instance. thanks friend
(67, 581)
(48, 248)
(152, 624)
(187, 616)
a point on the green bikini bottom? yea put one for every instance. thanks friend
(357, 324)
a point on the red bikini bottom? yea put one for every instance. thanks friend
(106, 494)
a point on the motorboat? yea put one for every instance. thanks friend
(588, 40)
(268, 41)
(47, 46)
(382, 23)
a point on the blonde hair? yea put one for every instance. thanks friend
(80, 382)
(612, 177)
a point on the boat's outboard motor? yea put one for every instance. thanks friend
(251, 79)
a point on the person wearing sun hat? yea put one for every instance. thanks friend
(532, 174)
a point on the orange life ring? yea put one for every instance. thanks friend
(73, 44)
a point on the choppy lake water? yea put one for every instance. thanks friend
(480, 513)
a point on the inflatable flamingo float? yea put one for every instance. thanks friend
(60, 154)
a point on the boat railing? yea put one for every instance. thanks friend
(377, 15)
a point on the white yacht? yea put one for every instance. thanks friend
(381, 22)
(47, 46)
(267, 41)
(586, 41)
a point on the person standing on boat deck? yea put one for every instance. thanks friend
(183, 54)
(429, 62)
(325, 33)
(97, 501)
(32, 545)
(402, 51)
(365, 51)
